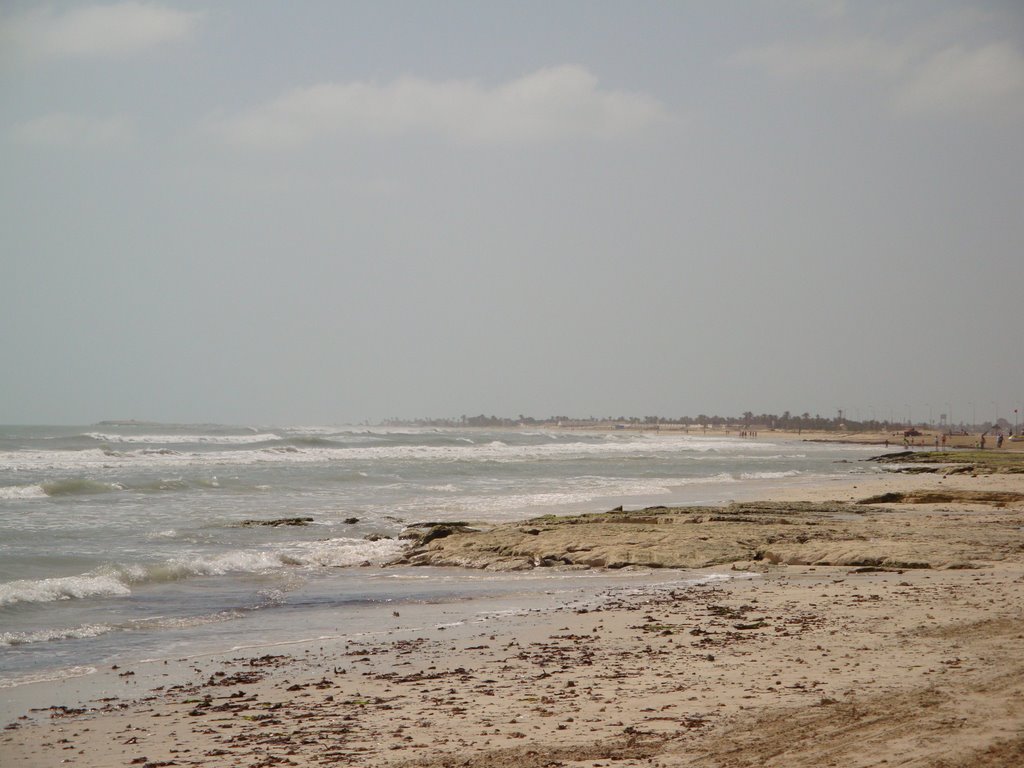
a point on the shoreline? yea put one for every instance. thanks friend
(778, 663)
(925, 440)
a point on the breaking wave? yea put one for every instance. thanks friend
(47, 635)
(22, 492)
(83, 486)
(171, 439)
(268, 448)
(78, 486)
(63, 588)
(118, 580)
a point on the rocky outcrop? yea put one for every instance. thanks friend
(278, 521)
(421, 534)
(954, 462)
(997, 498)
(796, 533)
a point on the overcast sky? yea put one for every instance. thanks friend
(325, 212)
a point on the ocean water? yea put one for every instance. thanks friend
(127, 541)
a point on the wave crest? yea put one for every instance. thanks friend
(22, 492)
(76, 486)
(63, 588)
(47, 635)
(769, 475)
(117, 580)
(102, 437)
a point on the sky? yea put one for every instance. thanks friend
(327, 212)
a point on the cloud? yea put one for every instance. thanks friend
(107, 31)
(550, 104)
(65, 130)
(956, 79)
(921, 78)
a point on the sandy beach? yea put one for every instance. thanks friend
(805, 629)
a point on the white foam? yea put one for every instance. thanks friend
(116, 581)
(768, 475)
(169, 533)
(46, 635)
(753, 457)
(239, 561)
(614, 446)
(22, 492)
(185, 439)
(335, 553)
(64, 588)
(721, 477)
(47, 677)
(307, 431)
(331, 553)
(572, 492)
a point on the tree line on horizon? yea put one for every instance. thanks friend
(746, 420)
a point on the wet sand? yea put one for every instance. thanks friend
(871, 634)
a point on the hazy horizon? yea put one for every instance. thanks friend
(338, 212)
(929, 418)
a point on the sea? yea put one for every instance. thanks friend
(128, 541)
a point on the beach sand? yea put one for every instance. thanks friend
(861, 635)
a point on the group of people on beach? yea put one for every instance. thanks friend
(940, 440)
(999, 441)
